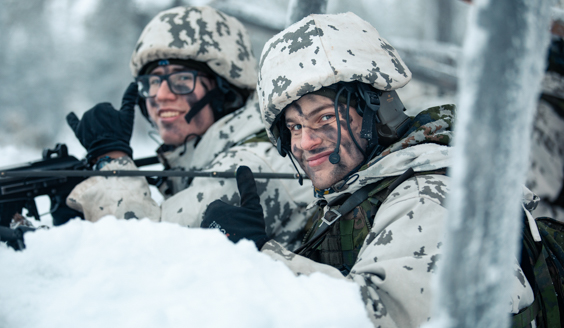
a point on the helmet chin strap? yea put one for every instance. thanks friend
(382, 123)
(335, 158)
(200, 104)
(283, 152)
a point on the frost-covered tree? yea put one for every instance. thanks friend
(504, 58)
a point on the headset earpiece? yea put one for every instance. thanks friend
(280, 148)
(393, 121)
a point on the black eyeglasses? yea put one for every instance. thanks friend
(180, 83)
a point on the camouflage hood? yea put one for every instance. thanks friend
(424, 147)
(319, 51)
(202, 34)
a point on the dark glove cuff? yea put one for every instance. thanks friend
(259, 243)
(102, 147)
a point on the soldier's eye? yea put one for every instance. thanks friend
(294, 127)
(154, 80)
(327, 117)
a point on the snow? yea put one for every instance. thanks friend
(137, 273)
(148, 5)
(117, 273)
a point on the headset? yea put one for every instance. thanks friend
(383, 118)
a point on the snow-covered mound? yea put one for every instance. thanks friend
(118, 273)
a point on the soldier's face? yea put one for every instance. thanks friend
(313, 128)
(167, 109)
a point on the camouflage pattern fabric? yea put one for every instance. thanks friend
(397, 261)
(315, 52)
(551, 279)
(543, 257)
(545, 176)
(221, 148)
(97, 197)
(202, 34)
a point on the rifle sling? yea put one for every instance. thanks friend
(146, 161)
(353, 201)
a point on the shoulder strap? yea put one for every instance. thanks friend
(353, 201)
(333, 215)
(539, 267)
(529, 255)
(524, 318)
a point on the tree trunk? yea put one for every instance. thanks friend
(504, 59)
(298, 9)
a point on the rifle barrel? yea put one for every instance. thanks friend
(142, 173)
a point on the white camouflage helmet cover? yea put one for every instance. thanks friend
(321, 50)
(202, 34)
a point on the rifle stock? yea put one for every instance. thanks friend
(18, 191)
(58, 173)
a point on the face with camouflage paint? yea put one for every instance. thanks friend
(313, 129)
(167, 109)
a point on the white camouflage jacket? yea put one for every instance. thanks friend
(396, 263)
(223, 147)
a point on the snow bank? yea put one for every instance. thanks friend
(117, 273)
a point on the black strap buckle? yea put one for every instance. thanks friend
(331, 216)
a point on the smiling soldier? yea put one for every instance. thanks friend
(195, 75)
(327, 95)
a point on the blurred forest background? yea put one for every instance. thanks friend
(67, 55)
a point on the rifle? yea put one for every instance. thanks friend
(58, 173)
(18, 192)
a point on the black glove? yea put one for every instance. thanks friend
(245, 222)
(60, 212)
(104, 129)
(14, 237)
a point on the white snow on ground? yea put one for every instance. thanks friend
(137, 273)
(117, 273)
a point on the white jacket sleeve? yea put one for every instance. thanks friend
(127, 197)
(122, 197)
(397, 261)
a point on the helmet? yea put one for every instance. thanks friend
(330, 52)
(200, 35)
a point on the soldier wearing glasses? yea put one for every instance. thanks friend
(195, 77)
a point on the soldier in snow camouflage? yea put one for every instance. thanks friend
(546, 166)
(326, 92)
(195, 75)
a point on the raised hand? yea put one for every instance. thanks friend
(239, 222)
(103, 129)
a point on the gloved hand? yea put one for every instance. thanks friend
(244, 222)
(104, 129)
(60, 212)
(14, 237)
